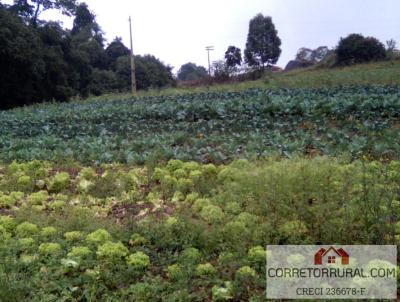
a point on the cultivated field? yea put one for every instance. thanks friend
(173, 197)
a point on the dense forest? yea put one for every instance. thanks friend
(42, 61)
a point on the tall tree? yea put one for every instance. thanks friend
(263, 43)
(115, 50)
(192, 72)
(21, 62)
(33, 8)
(233, 56)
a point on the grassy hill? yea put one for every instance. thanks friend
(382, 73)
(173, 195)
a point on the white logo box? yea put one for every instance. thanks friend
(331, 272)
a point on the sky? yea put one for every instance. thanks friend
(177, 31)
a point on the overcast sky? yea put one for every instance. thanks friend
(177, 31)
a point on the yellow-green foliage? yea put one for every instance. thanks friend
(174, 164)
(212, 214)
(138, 261)
(200, 203)
(6, 201)
(191, 255)
(257, 254)
(137, 239)
(88, 173)
(184, 185)
(8, 223)
(26, 244)
(98, 237)
(73, 236)
(179, 173)
(50, 249)
(112, 251)
(48, 232)
(222, 293)
(38, 198)
(61, 181)
(205, 269)
(4, 235)
(27, 229)
(174, 272)
(24, 182)
(79, 252)
(245, 272)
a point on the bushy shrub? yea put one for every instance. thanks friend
(48, 232)
(184, 185)
(88, 173)
(245, 273)
(61, 181)
(4, 235)
(356, 48)
(191, 255)
(174, 164)
(200, 203)
(112, 251)
(79, 252)
(206, 269)
(26, 244)
(27, 259)
(233, 208)
(222, 293)
(8, 223)
(16, 196)
(212, 214)
(24, 182)
(293, 229)
(50, 249)
(27, 229)
(179, 173)
(137, 239)
(138, 261)
(174, 272)
(195, 176)
(257, 255)
(6, 201)
(98, 237)
(38, 198)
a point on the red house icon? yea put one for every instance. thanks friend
(330, 256)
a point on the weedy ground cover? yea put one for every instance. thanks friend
(181, 231)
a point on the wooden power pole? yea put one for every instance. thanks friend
(133, 73)
(209, 48)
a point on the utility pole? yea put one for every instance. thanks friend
(209, 48)
(133, 73)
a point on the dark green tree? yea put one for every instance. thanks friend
(263, 43)
(21, 63)
(31, 9)
(115, 50)
(88, 47)
(356, 48)
(233, 56)
(56, 83)
(152, 73)
(192, 72)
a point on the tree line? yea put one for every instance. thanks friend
(42, 61)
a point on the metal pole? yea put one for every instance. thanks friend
(133, 73)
